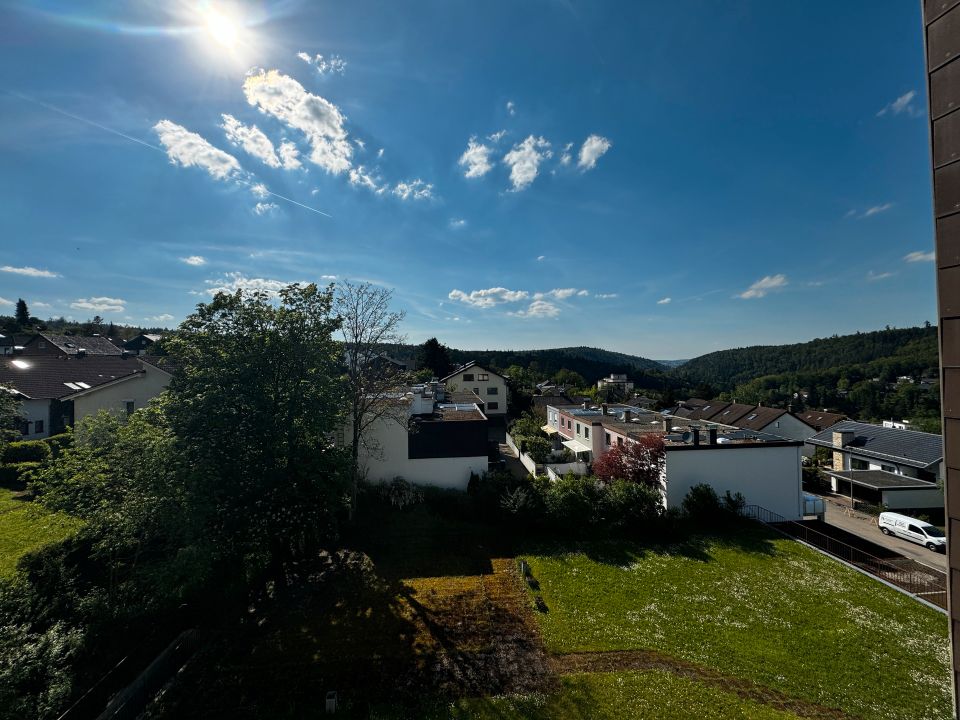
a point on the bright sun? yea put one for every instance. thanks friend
(221, 28)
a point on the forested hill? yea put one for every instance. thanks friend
(726, 369)
(591, 363)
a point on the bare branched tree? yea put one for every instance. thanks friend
(374, 381)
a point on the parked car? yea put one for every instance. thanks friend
(908, 528)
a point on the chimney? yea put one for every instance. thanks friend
(627, 415)
(713, 435)
(603, 408)
(696, 436)
(842, 438)
(586, 406)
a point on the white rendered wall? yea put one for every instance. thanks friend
(765, 476)
(141, 389)
(33, 410)
(389, 458)
(457, 383)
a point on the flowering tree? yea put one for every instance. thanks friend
(640, 461)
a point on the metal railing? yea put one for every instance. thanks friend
(918, 580)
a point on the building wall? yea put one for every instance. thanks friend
(922, 498)
(765, 476)
(790, 428)
(389, 458)
(941, 19)
(482, 388)
(32, 411)
(113, 398)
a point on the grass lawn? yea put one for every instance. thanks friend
(757, 607)
(25, 527)
(653, 695)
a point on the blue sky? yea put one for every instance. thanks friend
(665, 179)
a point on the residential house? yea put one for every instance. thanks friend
(884, 465)
(617, 381)
(55, 392)
(7, 344)
(141, 343)
(820, 420)
(488, 384)
(775, 421)
(590, 431)
(430, 440)
(58, 345)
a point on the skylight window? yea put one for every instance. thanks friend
(72, 386)
(22, 364)
(83, 385)
(752, 416)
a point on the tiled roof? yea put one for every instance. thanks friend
(907, 447)
(760, 417)
(70, 344)
(731, 413)
(821, 420)
(469, 366)
(45, 377)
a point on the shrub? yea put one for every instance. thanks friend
(573, 503)
(702, 504)
(57, 443)
(16, 475)
(630, 507)
(26, 451)
(399, 493)
(539, 449)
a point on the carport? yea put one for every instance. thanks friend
(881, 487)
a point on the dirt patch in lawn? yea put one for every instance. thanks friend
(618, 661)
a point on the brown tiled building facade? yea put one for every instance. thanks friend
(942, 41)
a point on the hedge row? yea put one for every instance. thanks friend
(13, 475)
(27, 451)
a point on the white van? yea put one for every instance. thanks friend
(912, 529)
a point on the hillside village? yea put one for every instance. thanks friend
(491, 467)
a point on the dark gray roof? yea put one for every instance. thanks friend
(70, 344)
(880, 479)
(469, 366)
(44, 376)
(907, 447)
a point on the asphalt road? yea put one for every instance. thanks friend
(866, 527)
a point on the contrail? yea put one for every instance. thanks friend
(60, 111)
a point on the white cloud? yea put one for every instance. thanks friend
(289, 155)
(360, 143)
(262, 208)
(874, 276)
(476, 159)
(318, 119)
(328, 277)
(497, 136)
(664, 301)
(764, 285)
(29, 271)
(379, 153)
(489, 297)
(361, 178)
(251, 139)
(524, 161)
(38, 304)
(100, 304)
(233, 281)
(584, 293)
(537, 309)
(413, 190)
(188, 149)
(606, 296)
(920, 256)
(457, 223)
(259, 190)
(876, 210)
(5, 302)
(541, 258)
(903, 104)
(565, 156)
(163, 317)
(593, 149)
(195, 260)
(511, 108)
(324, 65)
(559, 293)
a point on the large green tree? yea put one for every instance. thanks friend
(434, 356)
(254, 402)
(22, 313)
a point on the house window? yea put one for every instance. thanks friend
(25, 427)
(42, 345)
(888, 468)
(778, 424)
(492, 391)
(858, 464)
(586, 432)
(468, 377)
(606, 438)
(493, 406)
(38, 426)
(129, 406)
(483, 376)
(620, 441)
(578, 428)
(476, 391)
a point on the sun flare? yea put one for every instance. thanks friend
(221, 28)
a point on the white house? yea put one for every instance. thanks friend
(488, 384)
(428, 442)
(55, 392)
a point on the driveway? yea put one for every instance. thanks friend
(866, 527)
